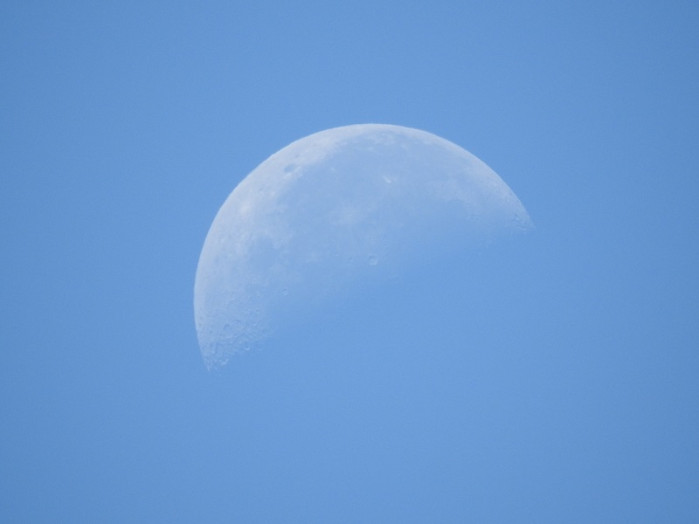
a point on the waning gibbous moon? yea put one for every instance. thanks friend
(330, 211)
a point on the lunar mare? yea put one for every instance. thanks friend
(331, 211)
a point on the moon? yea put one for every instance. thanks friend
(336, 210)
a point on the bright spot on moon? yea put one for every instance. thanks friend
(333, 211)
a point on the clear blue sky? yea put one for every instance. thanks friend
(554, 380)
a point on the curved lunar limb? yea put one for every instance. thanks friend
(330, 212)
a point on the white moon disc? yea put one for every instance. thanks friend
(330, 211)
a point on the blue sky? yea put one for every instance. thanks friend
(551, 380)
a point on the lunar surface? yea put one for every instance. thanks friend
(333, 211)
